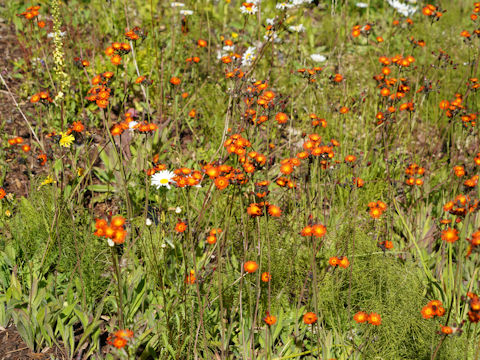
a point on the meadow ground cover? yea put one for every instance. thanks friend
(240, 180)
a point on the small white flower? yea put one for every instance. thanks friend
(284, 5)
(177, 4)
(301, 2)
(228, 48)
(297, 28)
(132, 124)
(52, 35)
(318, 57)
(270, 21)
(178, 210)
(148, 222)
(361, 5)
(162, 178)
(186, 12)
(110, 243)
(249, 56)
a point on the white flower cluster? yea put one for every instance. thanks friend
(402, 8)
(318, 57)
(289, 4)
(297, 28)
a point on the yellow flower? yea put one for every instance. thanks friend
(234, 35)
(80, 171)
(66, 140)
(47, 181)
(8, 213)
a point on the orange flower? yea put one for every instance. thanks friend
(333, 261)
(250, 266)
(281, 118)
(180, 227)
(450, 235)
(119, 342)
(2, 193)
(319, 230)
(270, 319)
(266, 277)
(447, 330)
(190, 278)
(274, 211)
(116, 59)
(211, 239)
(175, 81)
(375, 212)
(344, 263)
(360, 317)
(202, 43)
(221, 182)
(374, 319)
(254, 210)
(310, 318)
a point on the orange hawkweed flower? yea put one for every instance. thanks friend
(180, 227)
(447, 330)
(274, 211)
(450, 235)
(319, 230)
(281, 118)
(116, 59)
(343, 262)
(310, 318)
(250, 266)
(360, 317)
(270, 319)
(175, 80)
(119, 342)
(2, 193)
(266, 277)
(202, 43)
(374, 319)
(221, 182)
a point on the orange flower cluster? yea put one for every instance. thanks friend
(42, 96)
(364, 30)
(472, 182)
(284, 182)
(31, 12)
(385, 245)
(358, 182)
(142, 80)
(116, 50)
(15, 141)
(80, 63)
(190, 277)
(257, 209)
(224, 175)
(316, 121)
(432, 11)
(212, 237)
(372, 318)
(469, 119)
(474, 307)
(135, 34)
(144, 127)
(3, 193)
(341, 261)
(433, 308)
(114, 231)
(252, 161)
(474, 242)
(100, 93)
(460, 206)
(187, 177)
(416, 43)
(376, 208)
(157, 167)
(234, 73)
(310, 73)
(120, 338)
(317, 230)
(411, 171)
(237, 144)
(453, 107)
(459, 170)
(316, 148)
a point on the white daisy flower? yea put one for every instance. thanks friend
(297, 28)
(318, 57)
(270, 21)
(249, 8)
(162, 178)
(404, 9)
(284, 5)
(249, 56)
(186, 12)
